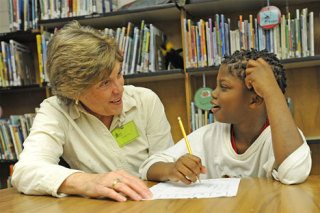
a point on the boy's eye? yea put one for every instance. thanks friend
(223, 86)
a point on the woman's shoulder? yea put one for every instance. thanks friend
(52, 102)
(132, 90)
(53, 106)
(140, 93)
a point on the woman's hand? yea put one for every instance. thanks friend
(186, 169)
(117, 185)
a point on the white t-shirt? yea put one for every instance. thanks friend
(212, 144)
(86, 144)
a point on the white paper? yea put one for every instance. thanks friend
(223, 187)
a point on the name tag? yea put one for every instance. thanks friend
(125, 134)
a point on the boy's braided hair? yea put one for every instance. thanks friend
(237, 64)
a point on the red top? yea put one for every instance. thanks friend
(233, 139)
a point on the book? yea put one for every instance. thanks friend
(140, 45)
(304, 34)
(156, 40)
(311, 34)
(298, 34)
(136, 40)
(23, 63)
(3, 72)
(40, 59)
(6, 56)
(5, 17)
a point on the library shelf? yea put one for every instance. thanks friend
(159, 75)
(8, 161)
(314, 140)
(165, 12)
(291, 63)
(199, 8)
(21, 36)
(309, 61)
(17, 89)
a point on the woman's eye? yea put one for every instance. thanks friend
(104, 83)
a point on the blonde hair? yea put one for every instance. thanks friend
(79, 57)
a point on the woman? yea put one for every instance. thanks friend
(102, 129)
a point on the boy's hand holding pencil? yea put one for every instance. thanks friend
(188, 167)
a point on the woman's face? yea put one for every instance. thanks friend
(105, 97)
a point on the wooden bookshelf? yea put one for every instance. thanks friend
(160, 75)
(166, 12)
(302, 73)
(21, 100)
(22, 36)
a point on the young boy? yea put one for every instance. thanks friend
(254, 136)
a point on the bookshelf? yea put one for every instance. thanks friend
(176, 87)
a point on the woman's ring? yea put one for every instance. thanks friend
(115, 182)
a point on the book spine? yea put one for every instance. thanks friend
(304, 36)
(223, 45)
(298, 35)
(40, 62)
(283, 38)
(311, 33)
(141, 36)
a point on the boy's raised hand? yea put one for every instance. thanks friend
(260, 77)
(187, 169)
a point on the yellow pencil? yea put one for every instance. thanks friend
(185, 136)
(186, 139)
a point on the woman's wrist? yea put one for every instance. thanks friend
(75, 183)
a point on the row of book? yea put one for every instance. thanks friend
(207, 42)
(16, 64)
(200, 117)
(55, 9)
(18, 15)
(141, 47)
(23, 15)
(13, 132)
(42, 43)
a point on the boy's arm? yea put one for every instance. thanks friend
(160, 171)
(186, 169)
(285, 135)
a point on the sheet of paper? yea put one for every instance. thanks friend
(222, 187)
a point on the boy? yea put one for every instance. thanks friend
(255, 135)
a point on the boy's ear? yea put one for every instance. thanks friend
(256, 100)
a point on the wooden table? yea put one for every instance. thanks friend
(254, 195)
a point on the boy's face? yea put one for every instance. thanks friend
(231, 98)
